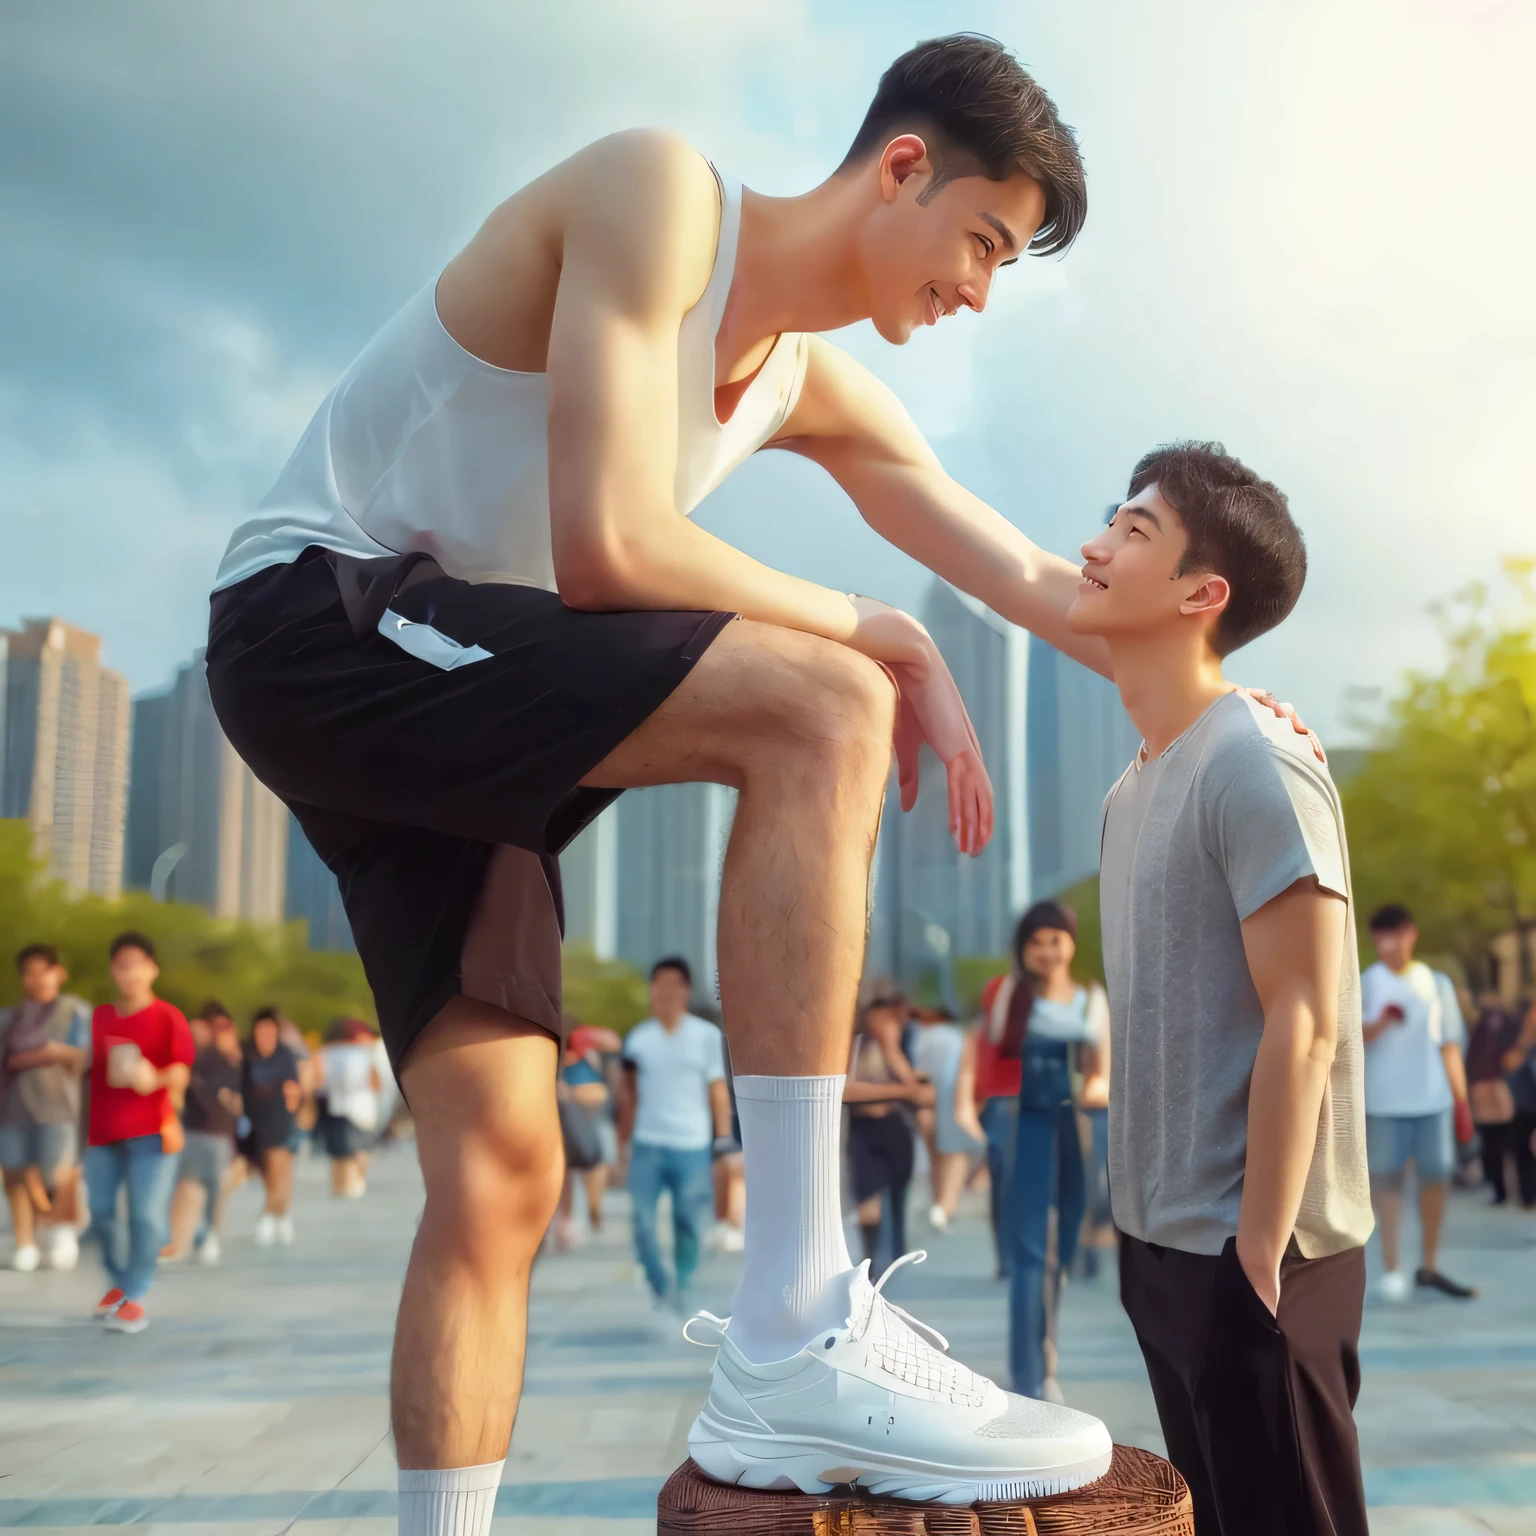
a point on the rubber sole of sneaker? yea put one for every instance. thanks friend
(772, 1463)
(117, 1323)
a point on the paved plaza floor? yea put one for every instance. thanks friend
(254, 1403)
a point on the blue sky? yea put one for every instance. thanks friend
(1310, 235)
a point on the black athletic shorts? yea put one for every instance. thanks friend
(880, 1153)
(430, 735)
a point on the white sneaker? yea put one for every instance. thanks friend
(938, 1218)
(25, 1260)
(732, 1239)
(1394, 1285)
(285, 1230)
(266, 1230)
(209, 1251)
(877, 1403)
(63, 1248)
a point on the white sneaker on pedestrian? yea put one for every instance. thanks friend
(266, 1230)
(285, 1230)
(878, 1403)
(63, 1248)
(25, 1260)
(1394, 1285)
(728, 1239)
(938, 1218)
(209, 1251)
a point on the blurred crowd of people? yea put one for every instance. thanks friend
(129, 1107)
(1016, 1102)
(156, 1119)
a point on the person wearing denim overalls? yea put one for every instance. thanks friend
(1058, 1031)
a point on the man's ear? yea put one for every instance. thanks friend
(901, 158)
(1210, 597)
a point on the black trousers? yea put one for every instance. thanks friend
(1257, 1411)
(1499, 1141)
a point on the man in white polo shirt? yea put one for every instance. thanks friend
(1415, 1091)
(675, 1109)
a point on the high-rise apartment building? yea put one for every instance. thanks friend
(202, 827)
(1080, 741)
(314, 895)
(931, 902)
(64, 752)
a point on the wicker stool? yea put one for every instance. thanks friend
(1141, 1493)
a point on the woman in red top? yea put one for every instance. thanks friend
(141, 1061)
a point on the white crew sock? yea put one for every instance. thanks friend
(458, 1502)
(798, 1276)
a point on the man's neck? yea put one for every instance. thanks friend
(43, 1002)
(1166, 683)
(126, 1006)
(671, 1022)
(796, 262)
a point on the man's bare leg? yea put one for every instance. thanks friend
(481, 1085)
(801, 728)
(19, 1198)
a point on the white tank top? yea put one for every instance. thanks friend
(423, 447)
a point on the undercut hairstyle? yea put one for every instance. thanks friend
(1391, 918)
(44, 952)
(1239, 527)
(674, 963)
(980, 114)
(132, 940)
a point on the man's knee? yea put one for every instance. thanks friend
(500, 1185)
(836, 717)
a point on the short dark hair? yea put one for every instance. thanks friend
(213, 1009)
(44, 952)
(269, 1012)
(673, 963)
(989, 118)
(1239, 527)
(1390, 918)
(132, 939)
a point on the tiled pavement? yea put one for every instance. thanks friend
(254, 1404)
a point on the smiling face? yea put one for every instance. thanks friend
(1131, 583)
(928, 251)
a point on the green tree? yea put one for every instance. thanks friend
(1442, 812)
(244, 965)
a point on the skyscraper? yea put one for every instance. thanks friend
(1080, 740)
(669, 845)
(65, 755)
(202, 828)
(931, 902)
(314, 895)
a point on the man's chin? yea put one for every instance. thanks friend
(1081, 619)
(896, 329)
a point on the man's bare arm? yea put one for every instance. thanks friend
(851, 424)
(1295, 950)
(639, 237)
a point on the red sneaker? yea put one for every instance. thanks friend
(110, 1302)
(129, 1318)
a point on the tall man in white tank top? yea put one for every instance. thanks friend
(473, 610)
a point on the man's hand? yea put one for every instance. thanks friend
(146, 1079)
(1263, 1272)
(930, 710)
(293, 1094)
(1288, 712)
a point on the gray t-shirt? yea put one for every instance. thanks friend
(1195, 842)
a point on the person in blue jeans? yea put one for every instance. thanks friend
(1058, 1031)
(675, 1113)
(141, 1061)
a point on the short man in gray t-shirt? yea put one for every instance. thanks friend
(1237, 1132)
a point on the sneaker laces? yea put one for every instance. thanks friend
(908, 1348)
